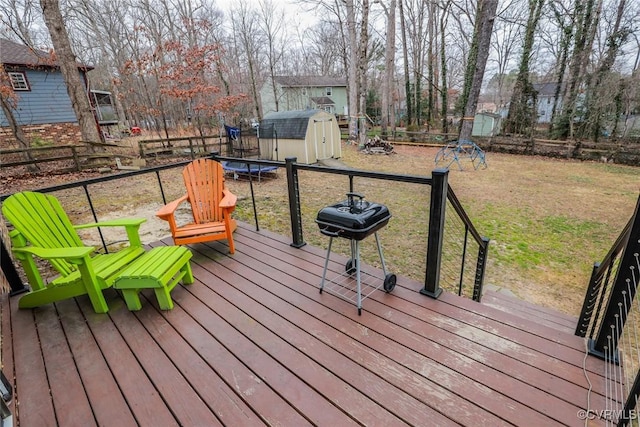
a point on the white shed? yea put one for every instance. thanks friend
(308, 135)
(486, 124)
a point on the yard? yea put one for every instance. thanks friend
(548, 219)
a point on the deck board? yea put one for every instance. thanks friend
(254, 342)
(444, 364)
(99, 382)
(524, 309)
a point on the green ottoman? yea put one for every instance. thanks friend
(161, 269)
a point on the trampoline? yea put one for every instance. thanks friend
(242, 168)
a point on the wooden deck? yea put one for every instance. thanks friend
(253, 342)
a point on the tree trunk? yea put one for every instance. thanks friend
(598, 92)
(69, 68)
(470, 69)
(362, 71)
(486, 16)
(389, 66)
(443, 69)
(405, 53)
(522, 108)
(581, 50)
(431, 66)
(352, 70)
(565, 43)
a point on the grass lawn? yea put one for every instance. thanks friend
(548, 219)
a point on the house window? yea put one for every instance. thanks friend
(328, 91)
(19, 81)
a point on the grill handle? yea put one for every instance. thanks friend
(327, 232)
(351, 195)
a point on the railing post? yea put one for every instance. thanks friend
(76, 160)
(630, 404)
(480, 268)
(619, 302)
(294, 202)
(191, 152)
(436, 232)
(593, 289)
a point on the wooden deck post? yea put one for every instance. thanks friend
(436, 232)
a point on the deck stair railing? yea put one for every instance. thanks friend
(610, 320)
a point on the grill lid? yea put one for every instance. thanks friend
(351, 218)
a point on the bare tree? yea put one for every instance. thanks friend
(484, 26)
(388, 113)
(444, 92)
(508, 32)
(563, 19)
(432, 64)
(405, 55)
(69, 67)
(323, 50)
(20, 18)
(272, 26)
(415, 36)
(585, 21)
(522, 108)
(352, 69)
(596, 103)
(250, 40)
(362, 72)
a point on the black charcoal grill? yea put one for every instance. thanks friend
(354, 219)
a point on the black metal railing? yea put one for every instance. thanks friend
(610, 319)
(443, 203)
(441, 196)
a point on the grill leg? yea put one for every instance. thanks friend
(356, 248)
(326, 264)
(384, 267)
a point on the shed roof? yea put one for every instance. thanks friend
(289, 124)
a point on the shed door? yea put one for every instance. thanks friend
(323, 138)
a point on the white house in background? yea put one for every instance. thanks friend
(546, 97)
(305, 93)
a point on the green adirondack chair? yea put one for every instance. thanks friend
(43, 230)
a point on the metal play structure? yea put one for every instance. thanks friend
(455, 151)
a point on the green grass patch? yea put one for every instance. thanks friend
(554, 243)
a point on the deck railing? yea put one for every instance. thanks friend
(610, 319)
(451, 233)
(450, 236)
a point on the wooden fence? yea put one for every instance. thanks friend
(71, 157)
(189, 146)
(622, 151)
(83, 156)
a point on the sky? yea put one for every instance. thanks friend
(294, 11)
